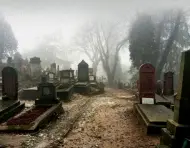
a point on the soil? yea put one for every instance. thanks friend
(101, 121)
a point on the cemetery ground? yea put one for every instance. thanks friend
(104, 121)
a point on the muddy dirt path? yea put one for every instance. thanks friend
(109, 122)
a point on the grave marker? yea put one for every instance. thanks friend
(146, 82)
(178, 128)
(83, 72)
(168, 84)
(9, 83)
(47, 93)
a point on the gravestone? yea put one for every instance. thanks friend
(147, 83)
(9, 105)
(159, 87)
(90, 71)
(10, 62)
(66, 76)
(83, 72)
(168, 84)
(35, 66)
(9, 83)
(178, 128)
(53, 68)
(47, 93)
(51, 76)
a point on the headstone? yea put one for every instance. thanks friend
(35, 66)
(168, 84)
(182, 102)
(9, 83)
(90, 71)
(147, 82)
(47, 93)
(53, 68)
(51, 77)
(83, 72)
(159, 87)
(178, 128)
(65, 76)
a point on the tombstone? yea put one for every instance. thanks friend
(168, 84)
(147, 83)
(65, 89)
(9, 105)
(90, 71)
(53, 68)
(9, 83)
(47, 93)
(159, 87)
(178, 128)
(51, 76)
(35, 66)
(66, 76)
(83, 72)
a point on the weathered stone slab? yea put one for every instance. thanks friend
(162, 101)
(156, 113)
(154, 117)
(29, 93)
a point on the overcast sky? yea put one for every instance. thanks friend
(32, 19)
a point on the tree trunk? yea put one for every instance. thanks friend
(95, 67)
(168, 47)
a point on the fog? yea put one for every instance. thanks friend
(32, 20)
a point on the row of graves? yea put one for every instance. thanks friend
(153, 109)
(160, 109)
(67, 83)
(47, 97)
(13, 117)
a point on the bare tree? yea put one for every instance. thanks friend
(103, 42)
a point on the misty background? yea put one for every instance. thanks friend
(118, 36)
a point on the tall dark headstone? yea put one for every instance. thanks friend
(179, 128)
(146, 82)
(9, 83)
(47, 93)
(83, 73)
(168, 84)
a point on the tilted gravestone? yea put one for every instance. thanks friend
(83, 72)
(147, 83)
(159, 87)
(168, 84)
(9, 83)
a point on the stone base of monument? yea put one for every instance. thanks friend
(162, 101)
(154, 117)
(29, 94)
(46, 101)
(82, 87)
(9, 108)
(174, 135)
(65, 94)
(32, 119)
